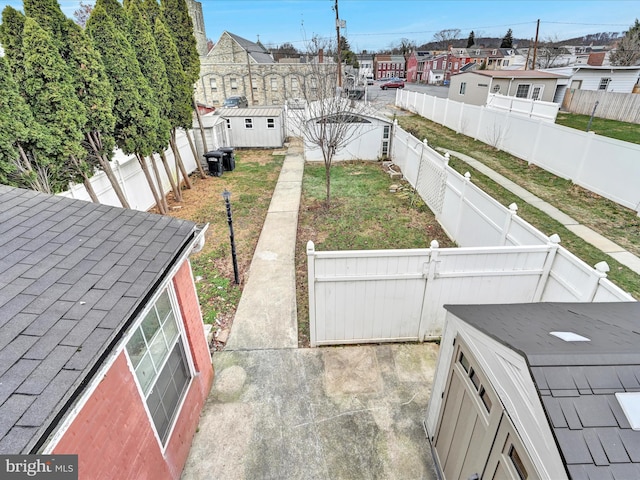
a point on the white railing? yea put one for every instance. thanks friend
(603, 165)
(536, 109)
(398, 295)
(131, 179)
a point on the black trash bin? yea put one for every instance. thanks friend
(229, 159)
(214, 161)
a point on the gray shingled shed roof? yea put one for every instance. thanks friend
(576, 381)
(73, 275)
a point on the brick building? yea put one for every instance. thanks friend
(101, 336)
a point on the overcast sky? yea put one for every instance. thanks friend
(375, 24)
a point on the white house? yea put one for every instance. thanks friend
(370, 137)
(259, 127)
(618, 79)
(538, 391)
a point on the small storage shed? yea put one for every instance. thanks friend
(538, 391)
(369, 137)
(101, 338)
(255, 127)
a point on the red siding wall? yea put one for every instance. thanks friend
(112, 434)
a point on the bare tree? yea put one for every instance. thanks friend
(329, 120)
(82, 13)
(627, 51)
(549, 53)
(445, 37)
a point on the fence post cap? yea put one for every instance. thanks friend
(602, 267)
(555, 238)
(435, 244)
(513, 208)
(425, 141)
(310, 247)
(467, 176)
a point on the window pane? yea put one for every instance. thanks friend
(474, 378)
(158, 349)
(136, 347)
(170, 329)
(150, 325)
(517, 463)
(163, 305)
(145, 373)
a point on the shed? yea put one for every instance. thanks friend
(543, 390)
(474, 87)
(369, 137)
(101, 338)
(257, 127)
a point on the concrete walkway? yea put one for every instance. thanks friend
(594, 238)
(279, 412)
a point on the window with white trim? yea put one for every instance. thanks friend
(248, 123)
(157, 354)
(463, 88)
(271, 123)
(213, 84)
(274, 84)
(604, 83)
(523, 90)
(234, 84)
(228, 123)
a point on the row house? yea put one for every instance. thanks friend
(389, 66)
(415, 65)
(365, 64)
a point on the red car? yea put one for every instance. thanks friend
(393, 83)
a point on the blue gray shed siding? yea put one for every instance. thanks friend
(73, 275)
(576, 381)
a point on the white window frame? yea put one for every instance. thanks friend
(274, 84)
(213, 84)
(228, 123)
(233, 82)
(540, 89)
(604, 84)
(463, 88)
(248, 123)
(271, 123)
(182, 338)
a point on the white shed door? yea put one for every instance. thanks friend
(468, 421)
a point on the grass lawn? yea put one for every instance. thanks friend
(363, 215)
(251, 185)
(619, 224)
(629, 132)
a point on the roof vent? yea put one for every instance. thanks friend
(630, 403)
(570, 337)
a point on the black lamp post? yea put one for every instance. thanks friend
(227, 195)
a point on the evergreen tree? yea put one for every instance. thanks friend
(471, 40)
(17, 137)
(628, 50)
(50, 93)
(11, 32)
(116, 13)
(176, 17)
(136, 116)
(507, 40)
(49, 16)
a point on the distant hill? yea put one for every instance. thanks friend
(595, 39)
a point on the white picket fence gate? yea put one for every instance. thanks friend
(398, 295)
(603, 165)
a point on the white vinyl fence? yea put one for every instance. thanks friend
(397, 295)
(536, 109)
(606, 166)
(132, 180)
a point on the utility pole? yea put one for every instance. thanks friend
(250, 79)
(535, 45)
(339, 52)
(526, 63)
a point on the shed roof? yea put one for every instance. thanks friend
(576, 381)
(517, 74)
(73, 275)
(250, 112)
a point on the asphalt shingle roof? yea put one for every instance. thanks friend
(72, 276)
(255, 50)
(577, 381)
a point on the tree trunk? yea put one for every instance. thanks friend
(106, 168)
(163, 197)
(203, 174)
(204, 140)
(85, 180)
(177, 195)
(179, 162)
(147, 175)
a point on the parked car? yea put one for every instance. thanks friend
(393, 83)
(238, 101)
